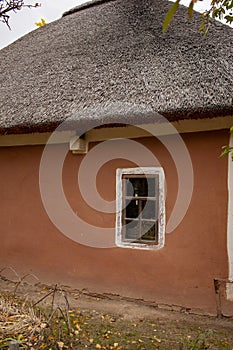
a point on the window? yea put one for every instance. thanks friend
(140, 217)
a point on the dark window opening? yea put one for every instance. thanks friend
(140, 203)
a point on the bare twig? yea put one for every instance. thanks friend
(65, 319)
(44, 297)
(21, 280)
(9, 6)
(67, 307)
(10, 268)
(54, 292)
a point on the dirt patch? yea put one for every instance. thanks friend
(73, 319)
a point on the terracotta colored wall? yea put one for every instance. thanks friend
(181, 273)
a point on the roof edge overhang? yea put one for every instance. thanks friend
(113, 114)
(115, 131)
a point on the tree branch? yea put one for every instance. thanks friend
(12, 6)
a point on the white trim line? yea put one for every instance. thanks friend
(159, 129)
(230, 214)
(36, 138)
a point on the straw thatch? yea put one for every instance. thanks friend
(109, 62)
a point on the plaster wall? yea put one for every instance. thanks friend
(181, 273)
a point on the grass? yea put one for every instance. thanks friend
(50, 326)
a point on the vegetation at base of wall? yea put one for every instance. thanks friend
(47, 325)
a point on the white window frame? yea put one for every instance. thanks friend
(119, 203)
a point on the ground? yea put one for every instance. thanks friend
(58, 317)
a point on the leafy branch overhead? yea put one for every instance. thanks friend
(219, 9)
(9, 6)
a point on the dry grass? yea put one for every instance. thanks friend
(18, 321)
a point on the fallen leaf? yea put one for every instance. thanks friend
(157, 339)
(105, 335)
(78, 327)
(60, 345)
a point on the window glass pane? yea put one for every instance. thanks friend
(132, 209)
(149, 209)
(141, 187)
(152, 183)
(132, 230)
(149, 231)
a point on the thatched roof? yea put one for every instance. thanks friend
(110, 62)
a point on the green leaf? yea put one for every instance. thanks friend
(190, 9)
(202, 26)
(171, 12)
(231, 128)
(226, 151)
(229, 18)
(228, 4)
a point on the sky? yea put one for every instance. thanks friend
(23, 21)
